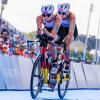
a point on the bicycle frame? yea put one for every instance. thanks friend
(43, 48)
(44, 70)
(41, 69)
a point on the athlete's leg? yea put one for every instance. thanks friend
(53, 51)
(53, 65)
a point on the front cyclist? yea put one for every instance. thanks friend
(51, 23)
(68, 30)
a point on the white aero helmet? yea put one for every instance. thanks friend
(63, 7)
(47, 9)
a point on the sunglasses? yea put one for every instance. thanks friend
(46, 15)
(62, 13)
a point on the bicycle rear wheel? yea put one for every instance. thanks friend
(36, 78)
(62, 85)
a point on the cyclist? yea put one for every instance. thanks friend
(68, 29)
(50, 21)
(51, 24)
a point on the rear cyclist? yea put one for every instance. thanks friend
(68, 29)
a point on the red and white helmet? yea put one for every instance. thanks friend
(63, 7)
(47, 9)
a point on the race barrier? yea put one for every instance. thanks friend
(91, 78)
(15, 73)
(25, 65)
(79, 75)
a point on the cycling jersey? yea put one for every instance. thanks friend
(64, 28)
(65, 23)
(49, 25)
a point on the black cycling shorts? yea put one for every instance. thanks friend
(63, 32)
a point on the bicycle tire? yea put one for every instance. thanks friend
(60, 94)
(33, 92)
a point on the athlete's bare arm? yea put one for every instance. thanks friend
(57, 25)
(70, 37)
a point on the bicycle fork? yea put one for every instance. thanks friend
(44, 67)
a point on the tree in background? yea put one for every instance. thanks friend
(31, 35)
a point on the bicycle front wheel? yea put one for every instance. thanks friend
(36, 77)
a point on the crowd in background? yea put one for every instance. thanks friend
(12, 43)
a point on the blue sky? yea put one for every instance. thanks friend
(22, 13)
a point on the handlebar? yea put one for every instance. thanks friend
(44, 39)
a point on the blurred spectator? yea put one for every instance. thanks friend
(17, 40)
(11, 33)
(11, 41)
(1, 44)
(3, 25)
(5, 35)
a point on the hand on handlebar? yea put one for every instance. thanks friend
(45, 33)
(42, 31)
(39, 31)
